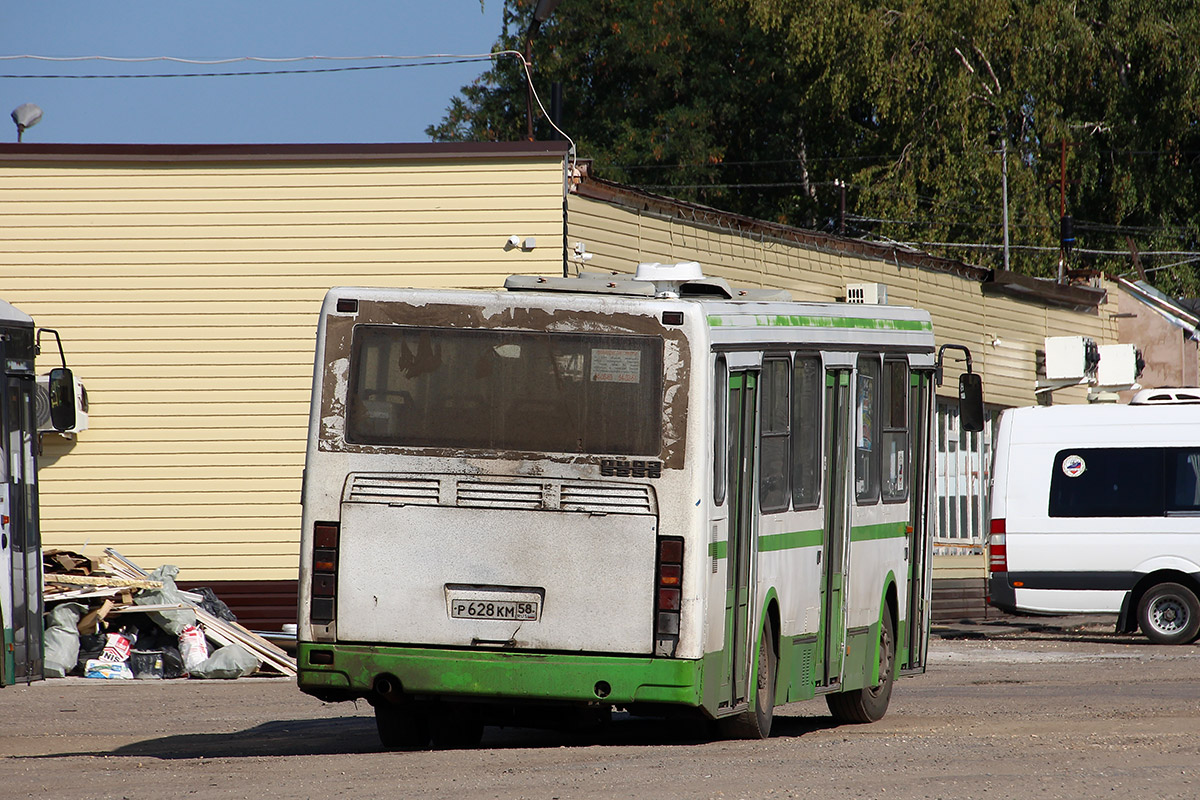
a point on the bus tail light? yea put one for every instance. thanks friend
(668, 595)
(997, 547)
(324, 572)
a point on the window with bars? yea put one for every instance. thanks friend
(963, 462)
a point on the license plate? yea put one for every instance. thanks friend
(494, 609)
(499, 604)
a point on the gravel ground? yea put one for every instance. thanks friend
(1032, 708)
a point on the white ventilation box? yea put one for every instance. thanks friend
(1071, 358)
(1118, 365)
(867, 293)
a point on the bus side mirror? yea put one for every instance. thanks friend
(970, 401)
(62, 399)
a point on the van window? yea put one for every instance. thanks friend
(1107, 482)
(1183, 481)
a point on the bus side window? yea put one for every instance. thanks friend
(807, 384)
(866, 430)
(773, 455)
(720, 430)
(895, 431)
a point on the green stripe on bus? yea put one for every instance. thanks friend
(796, 539)
(797, 321)
(789, 541)
(884, 530)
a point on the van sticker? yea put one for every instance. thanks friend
(1073, 466)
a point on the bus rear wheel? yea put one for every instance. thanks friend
(755, 721)
(401, 727)
(871, 703)
(1169, 614)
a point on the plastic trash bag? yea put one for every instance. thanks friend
(193, 647)
(61, 639)
(98, 668)
(172, 621)
(231, 661)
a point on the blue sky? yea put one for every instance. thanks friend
(383, 105)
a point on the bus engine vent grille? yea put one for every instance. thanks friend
(394, 490)
(482, 494)
(607, 498)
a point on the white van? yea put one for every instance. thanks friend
(1096, 509)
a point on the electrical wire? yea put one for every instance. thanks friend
(265, 59)
(436, 59)
(1043, 248)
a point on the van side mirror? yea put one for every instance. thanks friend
(970, 401)
(62, 399)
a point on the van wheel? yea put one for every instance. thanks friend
(871, 703)
(1169, 614)
(755, 722)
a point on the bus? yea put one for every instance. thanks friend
(20, 537)
(655, 493)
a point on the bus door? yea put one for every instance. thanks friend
(919, 411)
(20, 542)
(839, 413)
(742, 406)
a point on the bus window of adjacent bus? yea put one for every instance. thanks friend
(773, 448)
(866, 431)
(807, 382)
(895, 431)
(505, 390)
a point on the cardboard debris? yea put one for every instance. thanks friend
(64, 561)
(110, 589)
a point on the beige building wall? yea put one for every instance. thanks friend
(186, 284)
(1003, 333)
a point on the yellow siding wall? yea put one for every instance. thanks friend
(1002, 333)
(187, 297)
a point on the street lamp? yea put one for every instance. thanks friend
(25, 116)
(541, 12)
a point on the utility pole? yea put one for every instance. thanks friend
(841, 184)
(1066, 224)
(1004, 193)
(541, 12)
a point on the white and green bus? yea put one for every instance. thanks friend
(657, 494)
(20, 536)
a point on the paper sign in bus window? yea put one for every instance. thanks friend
(616, 366)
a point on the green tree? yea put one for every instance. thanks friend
(932, 88)
(677, 95)
(758, 107)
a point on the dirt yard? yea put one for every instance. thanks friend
(1022, 714)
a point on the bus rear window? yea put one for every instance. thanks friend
(505, 390)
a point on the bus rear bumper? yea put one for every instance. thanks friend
(343, 672)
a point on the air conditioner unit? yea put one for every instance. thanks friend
(868, 293)
(1118, 365)
(42, 406)
(1071, 358)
